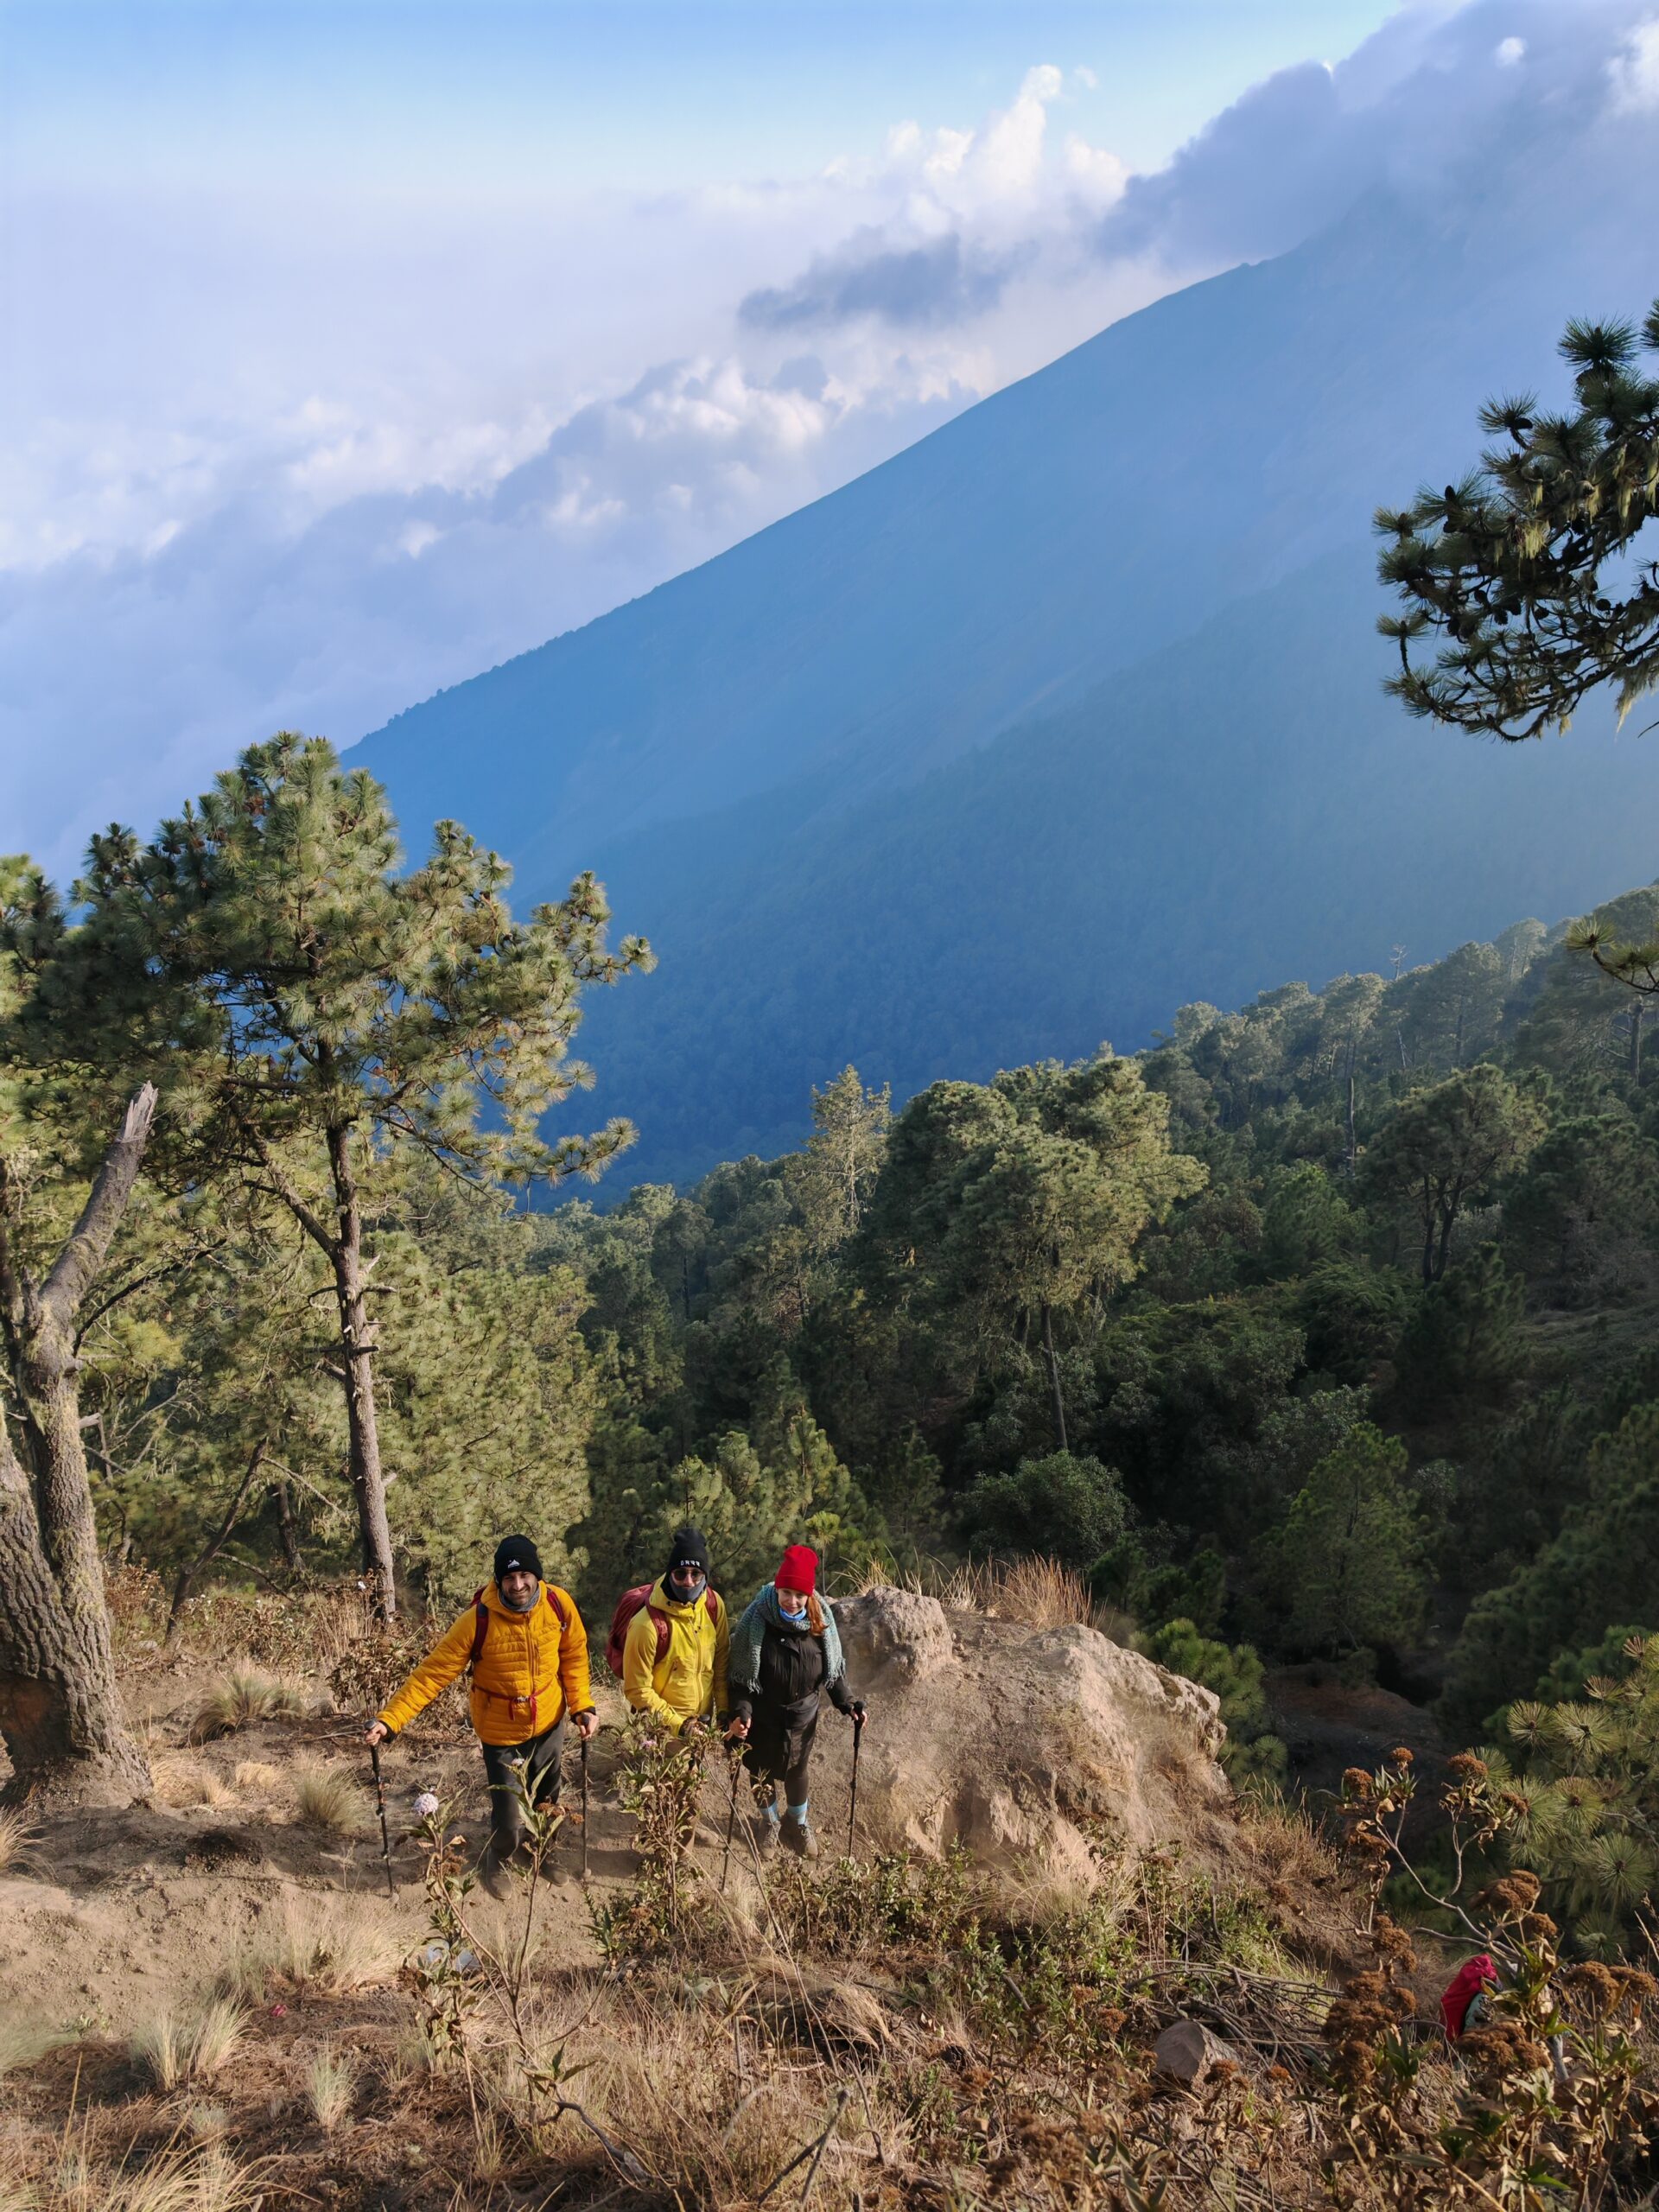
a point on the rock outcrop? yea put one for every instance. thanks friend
(1026, 1745)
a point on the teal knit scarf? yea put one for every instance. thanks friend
(763, 1611)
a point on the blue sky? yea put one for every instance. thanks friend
(642, 94)
(345, 350)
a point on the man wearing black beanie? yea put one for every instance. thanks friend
(524, 1643)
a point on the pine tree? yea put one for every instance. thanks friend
(1351, 1570)
(60, 1712)
(312, 1012)
(1016, 1202)
(834, 1177)
(1446, 1144)
(1517, 566)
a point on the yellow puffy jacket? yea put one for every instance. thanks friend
(532, 1668)
(688, 1681)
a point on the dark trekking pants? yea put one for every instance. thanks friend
(774, 1755)
(531, 1769)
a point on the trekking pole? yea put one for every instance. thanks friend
(584, 1808)
(735, 1760)
(852, 1807)
(380, 1807)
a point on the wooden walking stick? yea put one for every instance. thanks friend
(380, 1807)
(734, 1758)
(852, 1807)
(584, 1808)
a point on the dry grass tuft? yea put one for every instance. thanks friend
(192, 2180)
(320, 1945)
(329, 1797)
(243, 1694)
(23, 2043)
(184, 1782)
(413, 2057)
(659, 2080)
(18, 1837)
(1037, 1592)
(258, 1774)
(330, 2084)
(171, 2049)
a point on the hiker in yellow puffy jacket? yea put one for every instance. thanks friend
(528, 1652)
(680, 1677)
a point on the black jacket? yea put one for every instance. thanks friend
(792, 1682)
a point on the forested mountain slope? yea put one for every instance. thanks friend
(1141, 578)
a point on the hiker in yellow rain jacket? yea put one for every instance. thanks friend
(681, 1675)
(528, 1652)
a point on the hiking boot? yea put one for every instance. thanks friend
(491, 1876)
(796, 1835)
(766, 1833)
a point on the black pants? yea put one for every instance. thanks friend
(774, 1754)
(532, 1769)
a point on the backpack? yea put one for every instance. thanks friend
(626, 1606)
(1472, 1978)
(481, 1620)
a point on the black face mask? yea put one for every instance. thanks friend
(685, 1592)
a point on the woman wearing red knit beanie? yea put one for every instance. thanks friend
(785, 1656)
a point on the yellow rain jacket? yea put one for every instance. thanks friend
(688, 1681)
(532, 1669)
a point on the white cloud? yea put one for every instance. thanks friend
(410, 440)
(1509, 52)
(1633, 73)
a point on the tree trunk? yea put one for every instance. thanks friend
(60, 1712)
(1638, 1010)
(287, 1529)
(357, 1344)
(1352, 1162)
(1053, 1359)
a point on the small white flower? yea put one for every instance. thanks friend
(425, 1805)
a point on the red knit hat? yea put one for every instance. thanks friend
(799, 1570)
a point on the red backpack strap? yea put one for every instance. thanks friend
(659, 1622)
(480, 1627)
(713, 1603)
(558, 1604)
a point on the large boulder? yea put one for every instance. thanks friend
(1026, 1745)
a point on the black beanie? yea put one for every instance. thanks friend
(517, 1551)
(688, 1547)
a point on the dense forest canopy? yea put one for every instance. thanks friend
(1322, 1328)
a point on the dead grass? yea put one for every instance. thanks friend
(182, 1782)
(330, 2086)
(1037, 1592)
(243, 1694)
(24, 2043)
(18, 1837)
(172, 2049)
(328, 1946)
(176, 2180)
(329, 1797)
(257, 1775)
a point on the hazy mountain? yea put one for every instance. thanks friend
(1067, 714)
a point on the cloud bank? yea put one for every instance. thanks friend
(361, 453)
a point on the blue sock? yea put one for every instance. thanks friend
(797, 1813)
(772, 1815)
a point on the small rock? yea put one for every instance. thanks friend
(1188, 2052)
